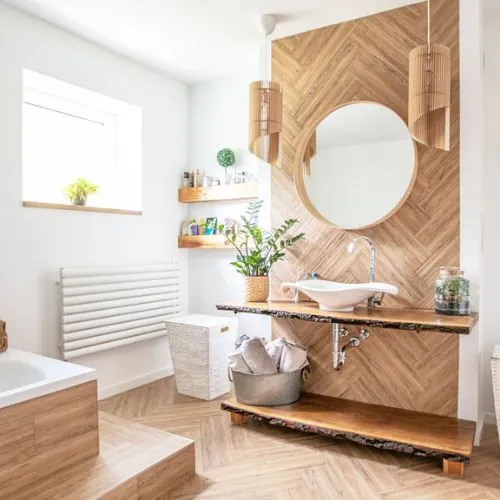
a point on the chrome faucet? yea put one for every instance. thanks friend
(372, 301)
(301, 275)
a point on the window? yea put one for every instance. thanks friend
(70, 132)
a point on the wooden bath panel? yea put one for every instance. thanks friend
(45, 434)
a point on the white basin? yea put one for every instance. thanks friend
(333, 296)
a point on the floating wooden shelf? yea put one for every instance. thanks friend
(398, 319)
(230, 192)
(203, 241)
(415, 433)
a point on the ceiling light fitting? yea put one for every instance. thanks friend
(430, 92)
(266, 109)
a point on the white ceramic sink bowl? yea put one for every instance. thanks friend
(333, 296)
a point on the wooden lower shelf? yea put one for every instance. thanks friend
(415, 433)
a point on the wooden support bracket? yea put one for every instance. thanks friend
(456, 468)
(238, 419)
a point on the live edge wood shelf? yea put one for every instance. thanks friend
(421, 434)
(416, 433)
(230, 192)
(398, 319)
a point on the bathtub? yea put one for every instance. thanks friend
(24, 376)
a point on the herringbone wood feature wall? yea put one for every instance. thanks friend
(367, 59)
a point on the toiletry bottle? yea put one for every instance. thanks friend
(202, 225)
(186, 182)
(195, 178)
(185, 228)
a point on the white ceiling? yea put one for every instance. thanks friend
(194, 40)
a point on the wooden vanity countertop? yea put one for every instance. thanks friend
(398, 319)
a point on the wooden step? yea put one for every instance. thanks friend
(416, 433)
(135, 462)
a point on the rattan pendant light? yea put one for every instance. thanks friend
(429, 92)
(266, 110)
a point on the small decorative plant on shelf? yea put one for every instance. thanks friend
(258, 250)
(79, 190)
(226, 159)
(452, 292)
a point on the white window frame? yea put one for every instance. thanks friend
(122, 121)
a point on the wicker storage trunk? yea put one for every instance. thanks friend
(200, 345)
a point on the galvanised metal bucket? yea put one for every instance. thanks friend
(267, 390)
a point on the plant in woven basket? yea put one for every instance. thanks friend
(226, 158)
(79, 190)
(258, 249)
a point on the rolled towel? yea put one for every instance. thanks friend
(292, 358)
(256, 357)
(237, 363)
(275, 350)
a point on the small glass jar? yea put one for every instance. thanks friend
(452, 292)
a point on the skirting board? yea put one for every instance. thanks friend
(113, 390)
(489, 418)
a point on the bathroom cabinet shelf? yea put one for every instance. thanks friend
(422, 434)
(398, 319)
(230, 192)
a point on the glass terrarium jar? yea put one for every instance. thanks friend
(452, 292)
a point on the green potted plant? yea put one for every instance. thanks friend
(79, 190)
(226, 159)
(258, 250)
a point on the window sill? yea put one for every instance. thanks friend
(60, 206)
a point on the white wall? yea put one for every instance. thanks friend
(490, 329)
(35, 243)
(219, 119)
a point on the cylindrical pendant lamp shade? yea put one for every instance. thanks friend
(265, 121)
(429, 95)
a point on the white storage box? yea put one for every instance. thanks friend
(200, 345)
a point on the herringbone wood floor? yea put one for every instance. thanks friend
(258, 461)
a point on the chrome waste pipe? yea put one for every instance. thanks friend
(339, 354)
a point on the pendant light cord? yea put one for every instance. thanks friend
(265, 56)
(429, 30)
(429, 23)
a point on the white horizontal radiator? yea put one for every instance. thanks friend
(108, 307)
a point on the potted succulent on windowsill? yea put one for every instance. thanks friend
(259, 250)
(79, 190)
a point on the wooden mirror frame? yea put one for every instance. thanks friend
(299, 177)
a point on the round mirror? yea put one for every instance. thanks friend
(359, 166)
